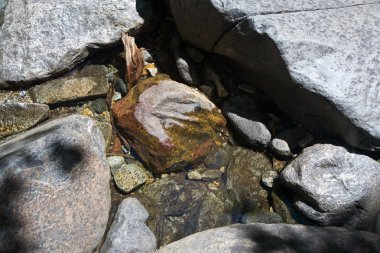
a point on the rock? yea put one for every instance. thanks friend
(57, 35)
(202, 173)
(247, 120)
(99, 105)
(243, 177)
(54, 188)
(333, 187)
(128, 177)
(148, 58)
(315, 59)
(17, 117)
(293, 137)
(179, 207)
(187, 69)
(106, 130)
(115, 162)
(284, 209)
(261, 217)
(169, 124)
(129, 233)
(280, 148)
(91, 81)
(195, 54)
(15, 96)
(219, 157)
(269, 177)
(266, 238)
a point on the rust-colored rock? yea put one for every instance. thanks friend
(169, 124)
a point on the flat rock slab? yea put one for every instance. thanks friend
(91, 81)
(54, 188)
(332, 187)
(43, 38)
(316, 59)
(169, 124)
(17, 117)
(267, 238)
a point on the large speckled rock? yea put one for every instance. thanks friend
(179, 207)
(316, 59)
(243, 177)
(268, 238)
(333, 187)
(91, 81)
(46, 37)
(16, 117)
(54, 188)
(129, 233)
(169, 124)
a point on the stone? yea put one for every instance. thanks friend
(247, 119)
(169, 124)
(293, 136)
(20, 96)
(315, 59)
(54, 188)
(115, 162)
(128, 177)
(280, 148)
(202, 173)
(266, 238)
(186, 68)
(179, 207)
(91, 81)
(268, 178)
(243, 176)
(106, 130)
(332, 187)
(261, 216)
(219, 157)
(57, 35)
(99, 105)
(17, 117)
(129, 233)
(195, 54)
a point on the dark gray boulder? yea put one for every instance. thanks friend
(42, 38)
(267, 238)
(54, 188)
(316, 59)
(332, 187)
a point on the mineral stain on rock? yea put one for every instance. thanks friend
(169, 124)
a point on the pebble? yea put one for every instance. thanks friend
(268, 178)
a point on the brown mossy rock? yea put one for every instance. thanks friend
(169, 124)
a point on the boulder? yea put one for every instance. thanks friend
(54, 188)
(179, 207)
(90, 81)
(316, 59)
(243, 177)
(41, 38)
(17, 117)
(267, 238)
(332, 187)
(129, 233)
(169, 124)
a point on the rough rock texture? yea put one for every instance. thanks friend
(91, 81)
(42, 38)
(267, 238)
(333, 187)
(316, 59)
(243, 177)
(247, 119)
(17, 117)
(129, 233)
(169, 124)
(186, 68)
(130, 176)
(54, 188)
(280, 148)
(261, 217)
(179, 207)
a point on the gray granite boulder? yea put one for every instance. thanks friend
(16, 117)
(332, 187)
(43, 38)
(129, 233)
(54, 188)
(316, 59)
(267, 238)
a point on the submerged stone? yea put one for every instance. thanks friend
(169, 124)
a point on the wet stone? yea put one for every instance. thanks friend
(170, 125)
